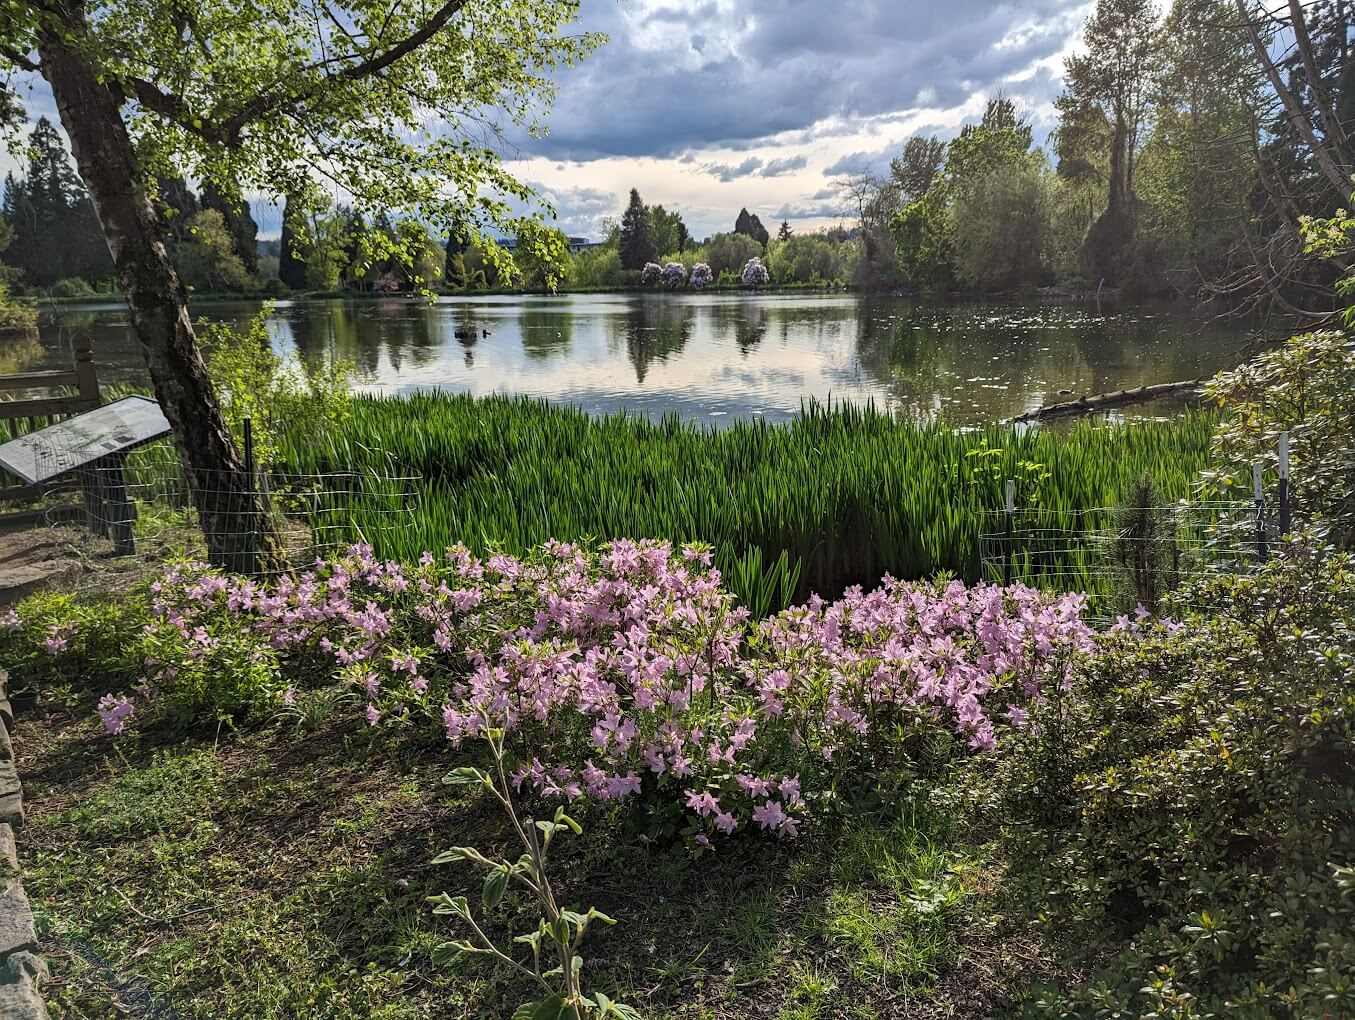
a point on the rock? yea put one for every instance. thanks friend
(9, 854)
(17, 933)
(11, 814)
(9, 779)
(19, 580)
(6, 745)
(19, 998)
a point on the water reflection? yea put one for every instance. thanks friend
(654, 330)
(712, 357)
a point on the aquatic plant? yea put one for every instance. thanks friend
(840, 495)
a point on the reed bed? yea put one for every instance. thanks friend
(840, 496)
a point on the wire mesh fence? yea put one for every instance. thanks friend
(1127, 555)
(145, 505)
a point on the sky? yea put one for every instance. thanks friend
(708, 106)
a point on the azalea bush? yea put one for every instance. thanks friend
(701, 276)
(1183, 815)
(754, 273)
(627, 673)
(651, 274)
(674, 275)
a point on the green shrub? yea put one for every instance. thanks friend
(1182, 815)
(57, 638)
(73, 287)
(1307, 388)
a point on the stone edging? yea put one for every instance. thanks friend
(21, 968)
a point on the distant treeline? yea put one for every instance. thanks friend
(1189, 149)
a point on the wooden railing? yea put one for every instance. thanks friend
(31, 414)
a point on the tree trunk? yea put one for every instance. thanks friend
(236, 521)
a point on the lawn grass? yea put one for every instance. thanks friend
(274, 873)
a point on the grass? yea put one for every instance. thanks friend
(268, 874)
(842, 495)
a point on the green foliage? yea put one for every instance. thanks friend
(727, 253)
(206, 258)
(1184, 815)
(1000, 229)
(636, 241)
(559, 932)
(922, 243)
(542, 257)
(811, 258)
(1306, 387)
(56, 232)
(276, 394)
(596, 267)
(72, 287)
(1144, 548)
(56, 637)
(846, 493)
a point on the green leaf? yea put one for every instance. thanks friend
(461, 853)
(467, 776)
(495, 883)
(445, 904)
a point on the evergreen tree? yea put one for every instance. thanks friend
(750, 226)
(637, 236)
(56, 234)
(238, 221)
(291, 260)
(784, 234)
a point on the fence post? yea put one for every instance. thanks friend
(1007, 565)
(253, 525)
(1285, 518)
(86, 379)
(1259, 497)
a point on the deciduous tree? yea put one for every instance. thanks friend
(272, 97)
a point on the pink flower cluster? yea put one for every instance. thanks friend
(631, 672)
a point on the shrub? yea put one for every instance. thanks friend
(1305, 387)
(276, 394)
(1185, 812)
(674, 275)
(72, 287)
(622, 674)
(754, 273)
(701, 276)
(651, 274)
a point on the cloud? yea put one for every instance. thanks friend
(755, 166)
(719, 73)
(811, 210)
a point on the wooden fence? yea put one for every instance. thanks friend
(30, 414)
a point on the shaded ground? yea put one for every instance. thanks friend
(279, 874)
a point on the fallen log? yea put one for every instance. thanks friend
(1109, 401)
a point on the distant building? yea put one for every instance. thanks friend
(576, 244)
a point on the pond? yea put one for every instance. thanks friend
(711, 357)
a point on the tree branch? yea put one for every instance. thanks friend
(373, 65)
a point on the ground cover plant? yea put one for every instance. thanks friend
(676, 735)
(840, 496)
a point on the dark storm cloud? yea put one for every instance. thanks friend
(674, 77)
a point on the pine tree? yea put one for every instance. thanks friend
(785, 232)
(291, 263)
(637, 235)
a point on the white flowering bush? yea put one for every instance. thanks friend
(651, 274)
(701, 276)
(754, 273)
(674, 275)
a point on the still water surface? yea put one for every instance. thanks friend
(713, 357)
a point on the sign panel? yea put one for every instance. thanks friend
(79, 441)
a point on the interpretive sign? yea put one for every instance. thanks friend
(83, 440)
